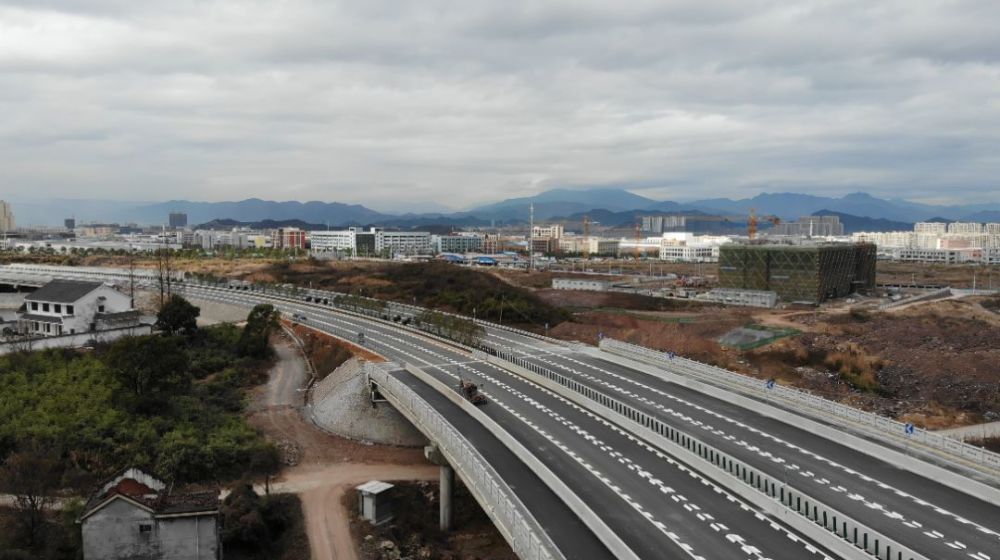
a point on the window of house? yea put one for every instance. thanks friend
(34, 306)
(48, 328)
(58, 308)
(100, 309)
(45, 307)
(145, 531)
(69, 309)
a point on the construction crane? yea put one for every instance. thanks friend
(752, 225)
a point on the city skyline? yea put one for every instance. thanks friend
(438, 107)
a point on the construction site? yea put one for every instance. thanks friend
(798, 273)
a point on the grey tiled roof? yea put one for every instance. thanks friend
(41, 318)
(63, 291)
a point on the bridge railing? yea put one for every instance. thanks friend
(525, 535)
(774, 495)
(803, 402)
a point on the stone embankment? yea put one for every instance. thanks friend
(341, 404)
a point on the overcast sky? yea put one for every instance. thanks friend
(403, 105)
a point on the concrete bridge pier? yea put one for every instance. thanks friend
(447, 492)
(446, 487)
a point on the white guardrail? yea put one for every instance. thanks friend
(773, 495)
(804, 402)
(941, 293)
(526, 537)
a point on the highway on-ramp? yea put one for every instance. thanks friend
(659, 507)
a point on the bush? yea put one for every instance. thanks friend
(190, 432)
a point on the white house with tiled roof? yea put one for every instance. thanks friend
(64, 307)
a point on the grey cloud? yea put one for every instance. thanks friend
(459, 103)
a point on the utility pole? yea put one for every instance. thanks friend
(131, 275)
(531, 237)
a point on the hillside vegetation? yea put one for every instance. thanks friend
(432, 284)
(172, 404)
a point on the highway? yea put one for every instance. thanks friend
(935, 519)
(657, 506)
(567, 532)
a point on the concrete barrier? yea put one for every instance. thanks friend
(913, 464)
(74, 340)
(827, 526)
(526, 537)
(808, 404)
(556, 484)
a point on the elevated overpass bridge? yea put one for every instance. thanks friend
(588, 453)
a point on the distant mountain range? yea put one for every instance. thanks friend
(615, 207)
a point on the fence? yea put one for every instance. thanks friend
(936, 294)
(783, 497)
(74, 340)
(527, 538)
(804, 402)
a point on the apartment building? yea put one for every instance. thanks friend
(338, 242)
(391, 243)
(660, 224)
(930, 228)
(6, 217)
(457, 243)
(810, 226)
(965, 228)
(554, 231)
(288, 238)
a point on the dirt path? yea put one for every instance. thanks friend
(321, 490)
(328, 465)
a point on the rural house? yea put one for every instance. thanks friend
(64, 307)
(134, 516)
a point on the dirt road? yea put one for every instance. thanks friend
(321, 489)
(328, 465)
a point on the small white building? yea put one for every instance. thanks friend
(375, 501)
(74, 306)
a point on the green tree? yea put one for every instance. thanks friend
(148, 366)
(178, 315)
(32, 477)
(262, 322)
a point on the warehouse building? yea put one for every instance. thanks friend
(799, 273)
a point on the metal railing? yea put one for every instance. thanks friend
(804, 402)
(525, 535)
(783, 497)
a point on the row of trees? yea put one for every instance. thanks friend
(463, 331)
(362, 304)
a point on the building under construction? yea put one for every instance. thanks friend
(799, 273)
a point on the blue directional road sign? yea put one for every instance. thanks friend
(770, 384)
(909, 429)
